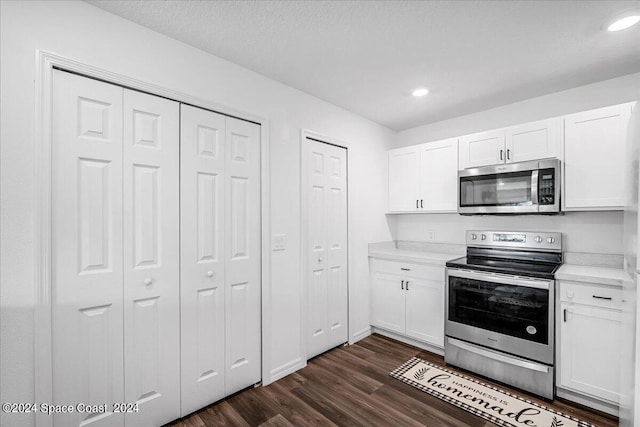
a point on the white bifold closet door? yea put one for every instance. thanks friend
(220, 256)
(326, 252)
(115, 254)
(151, 258)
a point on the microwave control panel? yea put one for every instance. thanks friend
(546, 187)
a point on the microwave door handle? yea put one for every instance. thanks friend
(534, 187)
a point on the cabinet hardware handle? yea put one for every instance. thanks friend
(402, 285)
(147, 281)
(508, 154)
(405, 269)
(564, 314)
(210, 273)
(417, 203)
(599, 297)
(501, 153)
(421, 204)
(406, 285)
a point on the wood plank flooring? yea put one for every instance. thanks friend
(351, 386)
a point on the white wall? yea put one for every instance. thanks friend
(595, 232)
(583, 231)
(79, 31)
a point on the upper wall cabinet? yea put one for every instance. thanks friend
(594, 149)
(530, 141)
(423, 178)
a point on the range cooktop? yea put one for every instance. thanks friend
(517, 253)
(512, 267)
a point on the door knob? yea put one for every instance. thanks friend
(148, 281)
(210, 273)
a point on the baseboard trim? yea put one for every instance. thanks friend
(589, 402)
(422, 345)
(284, 370)
(360, 335)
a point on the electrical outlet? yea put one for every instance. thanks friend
(431, 235)
(279, 242)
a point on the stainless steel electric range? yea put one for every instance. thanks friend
(500, 308)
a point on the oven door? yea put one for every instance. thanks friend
(506, 313)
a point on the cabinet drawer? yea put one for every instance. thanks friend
(407, 269)
(591, 294)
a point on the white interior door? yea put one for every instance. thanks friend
(151, 258)
(326, 252)
(242, 255)
(87, 291)
(202, 177)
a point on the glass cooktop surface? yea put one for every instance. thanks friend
(513, 267)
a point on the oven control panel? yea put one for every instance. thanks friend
(548, 241)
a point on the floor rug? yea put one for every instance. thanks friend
(500, 407)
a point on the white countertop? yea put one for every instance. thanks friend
(421, 257)
(590, 274)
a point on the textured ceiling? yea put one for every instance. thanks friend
(367, 56)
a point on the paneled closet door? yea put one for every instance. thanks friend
(242, 255)
(202, 198)
(87, 271)
(327, 272)
(151, 258)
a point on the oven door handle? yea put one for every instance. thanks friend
(500, 278)
(511, 360)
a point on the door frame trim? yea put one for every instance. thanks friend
(304, 234)
(45, 63)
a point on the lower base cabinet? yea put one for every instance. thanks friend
(589, 326)
(408, 299)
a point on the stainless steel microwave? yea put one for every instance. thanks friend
(516, 188)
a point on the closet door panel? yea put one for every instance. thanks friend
(151, 256)
(337, 269)
(87, 271)
(202, 183)
(242, 254)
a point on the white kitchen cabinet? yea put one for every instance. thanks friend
(403, 180)
(521, 143)
(438, 176)
(532, 141)
(423, 178)
(589, 327)
(408, 299)
(594, 151)
(482, 149)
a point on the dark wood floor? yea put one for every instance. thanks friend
(351, 386)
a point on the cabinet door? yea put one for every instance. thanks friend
(403, 180)
(87, 249)
(594, 152)
(482, 149)
(438, 171)
(425, 310)
(589, 351)
(202, 290)
(387, 301)
(152, 258)
(532, 141)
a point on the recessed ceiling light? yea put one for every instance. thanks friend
(421, 91)
(624, 23)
